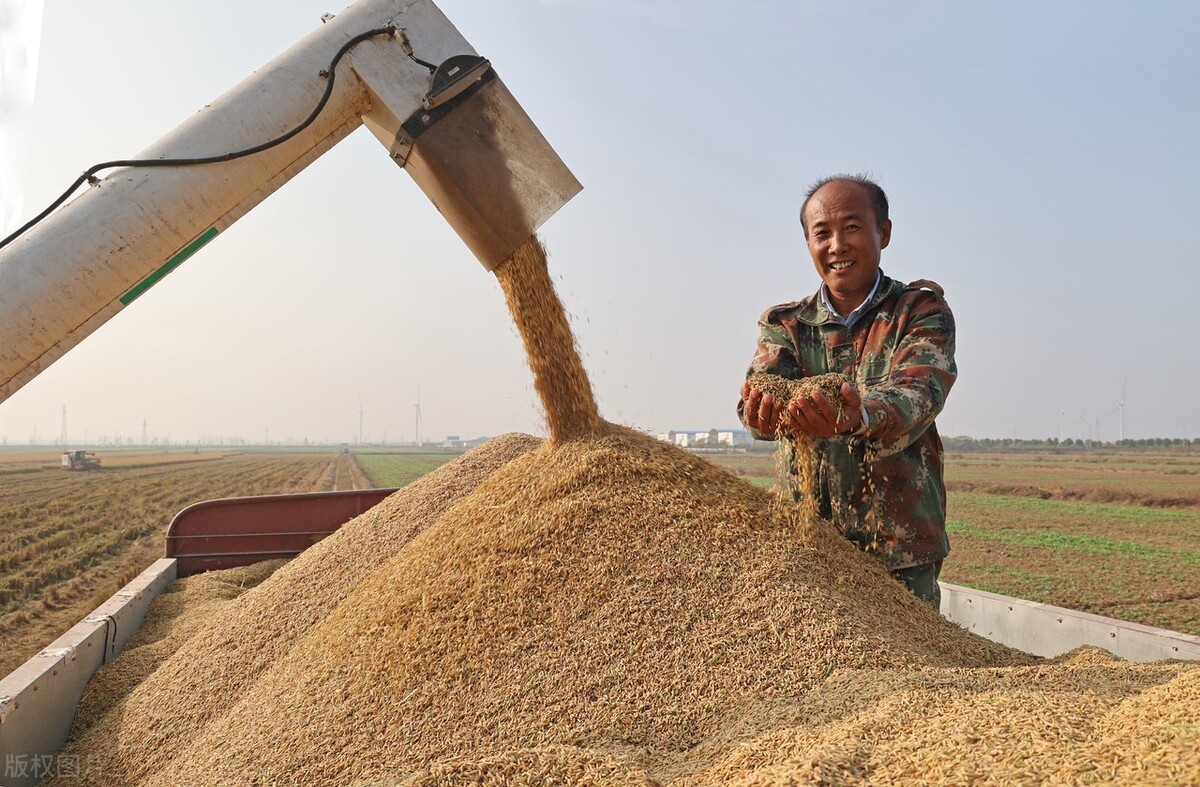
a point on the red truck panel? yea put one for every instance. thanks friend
(238, 531)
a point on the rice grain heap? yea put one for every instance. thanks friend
(617, 611)
(616, 595)
(187, 606)
(146, 729)
(604, 608)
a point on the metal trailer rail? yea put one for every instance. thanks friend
(239, 531)
(1047, 630)
(38, 700)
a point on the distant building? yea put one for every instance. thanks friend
(707, 438)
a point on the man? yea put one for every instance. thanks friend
(880, 477)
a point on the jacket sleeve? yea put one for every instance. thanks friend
(775, 354)
(922, 372)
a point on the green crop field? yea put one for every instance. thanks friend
(1112, 532)
(401, 468)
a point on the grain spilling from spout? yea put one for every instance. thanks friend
(558, 373)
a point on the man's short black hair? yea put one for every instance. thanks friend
(879, 201)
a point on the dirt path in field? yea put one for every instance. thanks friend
(345, 473)
(68, 541)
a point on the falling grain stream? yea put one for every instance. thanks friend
(558, 373)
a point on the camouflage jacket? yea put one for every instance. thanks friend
(884, 490)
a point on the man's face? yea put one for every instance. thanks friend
(845, 241)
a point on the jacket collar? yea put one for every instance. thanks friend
(813, 312)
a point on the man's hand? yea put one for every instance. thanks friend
(761, 411)
(816, 416)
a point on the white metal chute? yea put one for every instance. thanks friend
(492, 174)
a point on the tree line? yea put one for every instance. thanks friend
(966, 444)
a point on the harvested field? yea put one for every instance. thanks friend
(345, 472)
(14, 462)
(1129, 562)
(69, 540)
(1109, 476)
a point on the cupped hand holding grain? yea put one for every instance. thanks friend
(762, 410)
(816, 416)
(819, 405)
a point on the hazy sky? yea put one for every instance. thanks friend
(1040, 159)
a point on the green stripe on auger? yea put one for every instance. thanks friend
(168, 266)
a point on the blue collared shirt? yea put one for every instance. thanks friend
(853, 316)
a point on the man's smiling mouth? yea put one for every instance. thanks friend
(841, 266)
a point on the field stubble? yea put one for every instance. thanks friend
(69, 540)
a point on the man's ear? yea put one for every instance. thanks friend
(886, 236)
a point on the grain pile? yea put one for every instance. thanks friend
(617, 611)
(608, 609)
(616, 596)
(143, 732)
(184, 608)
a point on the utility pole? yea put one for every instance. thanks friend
(1121, 406)
(62, 438)
(417, 419)
(360, 420)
